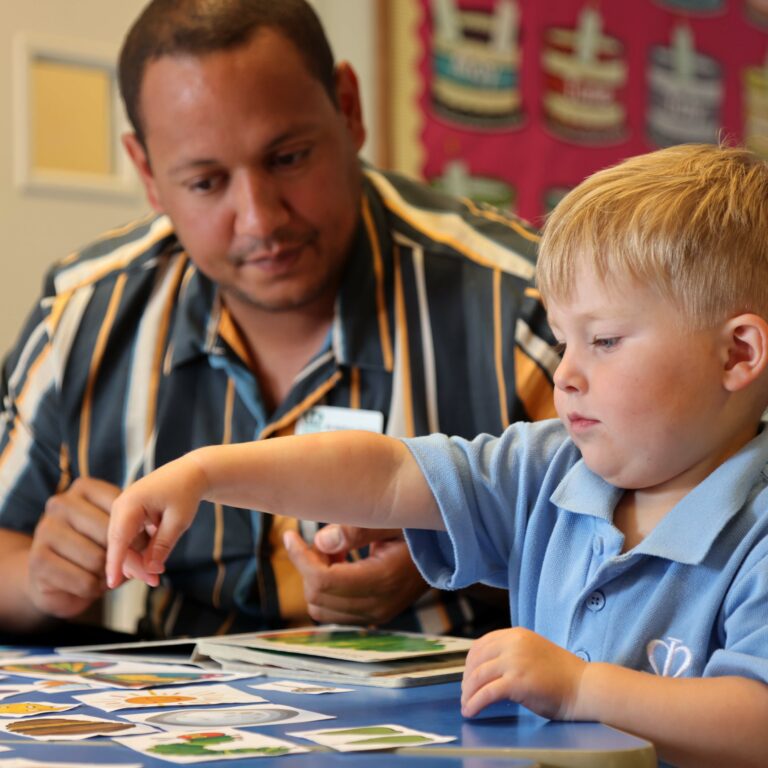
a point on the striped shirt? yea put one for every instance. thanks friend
(130, 359)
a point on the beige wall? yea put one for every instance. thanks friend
(37, 228)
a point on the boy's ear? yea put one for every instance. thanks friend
(140, 160)
(746, 339)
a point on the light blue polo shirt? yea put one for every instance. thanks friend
(523, 512)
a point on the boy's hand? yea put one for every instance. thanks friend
(521, 666)
(148, 519)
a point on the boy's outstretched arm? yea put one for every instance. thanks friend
(359, 478)
(693, 722)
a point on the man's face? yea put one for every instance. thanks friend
(256, 167)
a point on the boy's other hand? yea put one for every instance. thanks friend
(524, 667)
(372, 590)
(68, 550)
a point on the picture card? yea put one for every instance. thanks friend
(368, 737)
(203, 746)
(110, 673)
(13, 709)
(70, 728)
(250, 716)
(65, 686)
(176, 696)
(297, 686)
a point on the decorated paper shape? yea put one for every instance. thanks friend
(299, 687)
(15, 709)
(64, 686)
(70, 727)
(227, 717)
(196, 695)
(112, 674)
(371, 737)
(206, 745)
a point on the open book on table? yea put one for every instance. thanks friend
(331, 653)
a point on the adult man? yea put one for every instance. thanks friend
(279, 275)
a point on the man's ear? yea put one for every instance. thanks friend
(746, 358)
(140, 160)
(348, 100)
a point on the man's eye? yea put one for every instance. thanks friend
(203, 186)
(290, 159)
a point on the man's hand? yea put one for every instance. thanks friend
(67, 556)
(521, 666)
(368, 591)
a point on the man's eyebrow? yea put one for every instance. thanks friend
(190, 165)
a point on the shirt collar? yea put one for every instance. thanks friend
(690, 528)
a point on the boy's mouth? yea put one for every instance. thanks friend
(580, 423)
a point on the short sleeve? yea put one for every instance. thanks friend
(486, 489)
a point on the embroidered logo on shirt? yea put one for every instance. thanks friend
(669, 659)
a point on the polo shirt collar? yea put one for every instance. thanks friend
(690, 528)
(363, 320)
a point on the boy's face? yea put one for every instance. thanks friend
(642, 398)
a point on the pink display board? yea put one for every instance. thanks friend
(522, 99)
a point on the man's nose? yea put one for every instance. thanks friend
(259, 205)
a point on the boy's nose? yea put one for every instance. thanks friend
(568, 375)
(259, 207)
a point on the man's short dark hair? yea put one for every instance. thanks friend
(198, 27)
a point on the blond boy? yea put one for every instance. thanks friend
(632, 532)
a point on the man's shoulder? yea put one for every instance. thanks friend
(136, 247)
(457, 228)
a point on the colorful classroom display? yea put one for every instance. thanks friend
(521, 99)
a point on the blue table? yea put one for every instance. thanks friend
(504, 736)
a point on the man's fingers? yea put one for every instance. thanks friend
(334, 538)
(68, 544)
(306, 560)
(56, 575)
(98, 492)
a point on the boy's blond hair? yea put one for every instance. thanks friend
(690, 221)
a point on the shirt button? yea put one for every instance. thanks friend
(597, 545)
(583, 655)
(596, 601)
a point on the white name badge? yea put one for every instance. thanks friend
(330, 418)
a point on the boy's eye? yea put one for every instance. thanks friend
(559, 348)
(611, 342)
